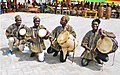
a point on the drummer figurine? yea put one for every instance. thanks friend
(39, 33)
(89, 42)
(55, 47)
(17, 35)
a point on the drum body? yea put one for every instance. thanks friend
(100, 12)
(67, 40)
(115, 45)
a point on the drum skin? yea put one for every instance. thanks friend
(22, 31)
(42, 32)
(100, 12)
(63, 37)
(67, 41)
(105, 45)
(71, 43)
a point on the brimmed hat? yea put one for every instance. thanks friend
(36, 17)
(104, 45)
(67, 18)
(17, 17)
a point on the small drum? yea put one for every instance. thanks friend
(105, 45)
(42, 32)
(67, 40)
(22, 31)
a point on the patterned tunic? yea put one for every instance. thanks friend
(57, 31)
(38, 43)
(13, 31)
(90, 40)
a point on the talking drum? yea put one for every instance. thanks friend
(107, 45)
(22, 31)
(42, 32)
(66, 40)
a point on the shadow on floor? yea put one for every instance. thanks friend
(92, 65)
(4, 50)
(20, 55)
(52, 60)
(26, 57)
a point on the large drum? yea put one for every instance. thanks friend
(100, 12)
(67, 40)
(107, 45)
(108, 12)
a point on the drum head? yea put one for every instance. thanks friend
(104, 45)
(22, 31)
(63, 37)
(42, 32)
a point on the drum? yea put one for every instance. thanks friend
(115, 45)
(67, 40)
(73, 12)
(108, 13)
(22, 31)
(79, 12)
(29, 5)
(105, 45)
(42, 32)
(100, 12)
